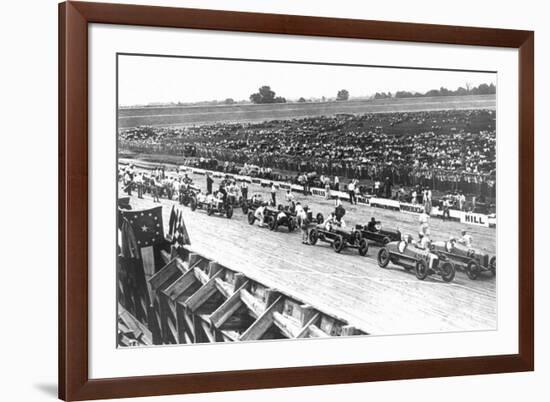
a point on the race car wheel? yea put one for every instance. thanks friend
(338, 243)
(272, 223)
(229, 212)
(493, 265)
(320, 218)
(313, 235)
(386, 240)
(185, 201)
(251, 218)
(291, 225)
(245, 208)
(472, 270)
(357, 237)
(209, 210)
(363, 247)
(193, 203)
(383, 257)
(447, 271)
(422, 269)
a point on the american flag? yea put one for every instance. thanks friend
(147, 225)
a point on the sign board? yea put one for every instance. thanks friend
(475, 219)
(411, 208)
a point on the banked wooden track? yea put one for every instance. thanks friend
(196, 300)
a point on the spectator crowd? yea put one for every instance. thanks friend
(452, 151)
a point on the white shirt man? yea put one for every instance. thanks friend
(289, 196)
(466, 239)
(259, 214)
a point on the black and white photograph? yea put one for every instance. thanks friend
(281, 200)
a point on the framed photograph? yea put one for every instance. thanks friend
(258, 201)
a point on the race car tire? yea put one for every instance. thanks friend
(421, 270)
(251, 218)
(386, 240)
(493, 265)
(272, 223)
(209, 210)
(313, 236)
(363, 247)
(338, 243)
(357, 237)
(245, 208)
(193, 203)
(472, 270)
(383, 257)
(229, 212)
(447, 271)
(291, 225)
(320, 218)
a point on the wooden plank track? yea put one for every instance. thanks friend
(346, 286)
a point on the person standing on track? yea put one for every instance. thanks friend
(351, 192)
(209, 182)
(424, 220)
(244, 190)
(273, 195)
(302, 218)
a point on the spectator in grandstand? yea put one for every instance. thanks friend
(336, 183)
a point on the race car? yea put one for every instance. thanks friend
(471, 260)
(339, 238)
(374, 231)
(410, 256)
(251, 203)
(211, 204)
(186, 193)
(274, 218)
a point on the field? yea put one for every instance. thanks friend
(376, 300)
(198, 115)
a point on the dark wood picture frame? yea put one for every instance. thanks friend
(74, 382)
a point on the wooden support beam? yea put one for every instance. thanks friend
(240, 278)
(229, 336)
(175, 290)
(139, 330)
(201, 276)
(255, 306)
(349, 330)
(303, 333)
(194, 259)
(224, 288)
(202, 294)
(166, 275)
(307, 313)
(264, 321)
(166, 256)
(208, 332)
(228, 308)
(186, 330)
(214, 267)
(286, 325)
(316, 332)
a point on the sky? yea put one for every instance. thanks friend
(145, 79)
